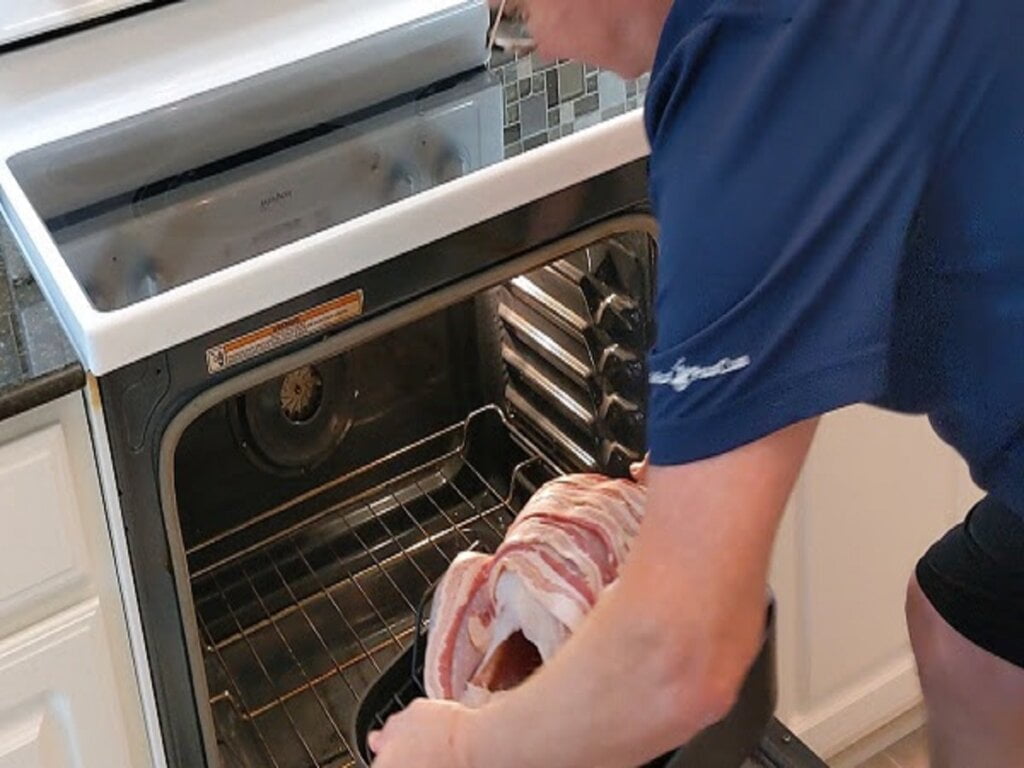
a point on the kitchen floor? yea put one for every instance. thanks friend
(909, 752)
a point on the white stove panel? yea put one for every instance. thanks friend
(26, 18)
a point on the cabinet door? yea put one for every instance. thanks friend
(876, 491)
(60, 602)
(45, 565)
(58, 702)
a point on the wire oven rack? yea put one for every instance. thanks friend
(298, 625)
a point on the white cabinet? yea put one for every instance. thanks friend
(68, 691)
(877, 490)
(44, 554)
(58, 699)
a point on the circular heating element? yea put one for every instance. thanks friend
(291, 424)
(302, 393)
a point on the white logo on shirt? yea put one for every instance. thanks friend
(681, 375)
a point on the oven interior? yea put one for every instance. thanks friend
(317, 507)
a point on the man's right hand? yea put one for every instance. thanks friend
(621, 35)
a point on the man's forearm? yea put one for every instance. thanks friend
(610, 699)
(664, 652)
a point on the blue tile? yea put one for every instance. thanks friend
(585, 106)
(535, 141)
(533, 112)
(588, 120)
(552, 87)
(612, 90)
(570, 80)
(513, 134)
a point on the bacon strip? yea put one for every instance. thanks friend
(460, 620)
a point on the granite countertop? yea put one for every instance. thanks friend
(37, 362)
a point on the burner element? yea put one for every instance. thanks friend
(302, 392)
(292, 424)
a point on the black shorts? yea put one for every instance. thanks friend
(974, 576)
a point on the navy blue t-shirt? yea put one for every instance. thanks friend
(840, 190)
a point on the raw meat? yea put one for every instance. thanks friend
(496, 618)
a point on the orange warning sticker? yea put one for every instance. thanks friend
(315, 320)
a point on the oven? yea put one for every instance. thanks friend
(289, 509)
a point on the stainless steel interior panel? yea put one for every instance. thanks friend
(575, 333)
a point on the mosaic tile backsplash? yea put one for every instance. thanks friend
(546, 100)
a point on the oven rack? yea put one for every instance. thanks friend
(295, 628)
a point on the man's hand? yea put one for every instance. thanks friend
(621, 35)
(428, 734)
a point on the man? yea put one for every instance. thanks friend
(840, 190)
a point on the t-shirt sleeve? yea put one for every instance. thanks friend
(787, 164)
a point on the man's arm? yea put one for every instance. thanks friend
(664, 652)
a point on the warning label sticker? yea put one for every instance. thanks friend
(312, 321)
